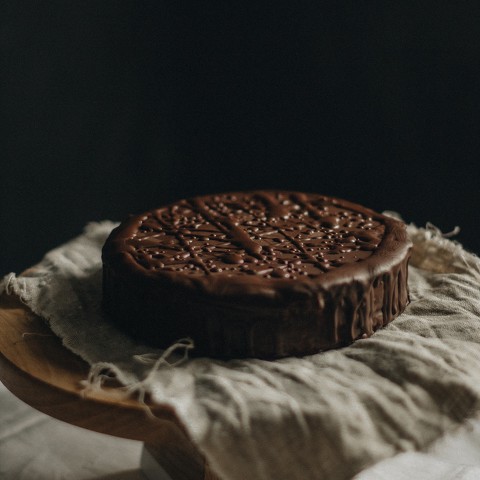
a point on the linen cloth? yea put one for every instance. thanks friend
(328, 415)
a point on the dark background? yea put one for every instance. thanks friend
(115, 107)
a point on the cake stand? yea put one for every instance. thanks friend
(38, 369)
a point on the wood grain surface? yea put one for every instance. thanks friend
(38, 369)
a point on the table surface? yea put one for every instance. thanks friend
(34, 446)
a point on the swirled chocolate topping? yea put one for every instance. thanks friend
(236, 264)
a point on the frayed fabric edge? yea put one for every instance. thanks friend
(102, 372)
(6, 284)
(433, 243)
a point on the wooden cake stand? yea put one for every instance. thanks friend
(39, 370)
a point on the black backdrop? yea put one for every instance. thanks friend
(113, 107)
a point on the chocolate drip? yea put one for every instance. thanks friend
(274, 207)
(180, 235)
(232, 228)
(304, 200)
(354, 309)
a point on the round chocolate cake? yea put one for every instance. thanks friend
(262, 274)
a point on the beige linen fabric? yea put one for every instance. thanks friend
(325, 416)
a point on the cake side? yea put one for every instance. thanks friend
(234, 329)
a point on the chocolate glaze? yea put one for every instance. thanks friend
(263, 274)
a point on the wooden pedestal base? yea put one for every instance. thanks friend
(36, 368)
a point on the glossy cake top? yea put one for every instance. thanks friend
(269, 234)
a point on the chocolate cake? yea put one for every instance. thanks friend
(262, 274)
